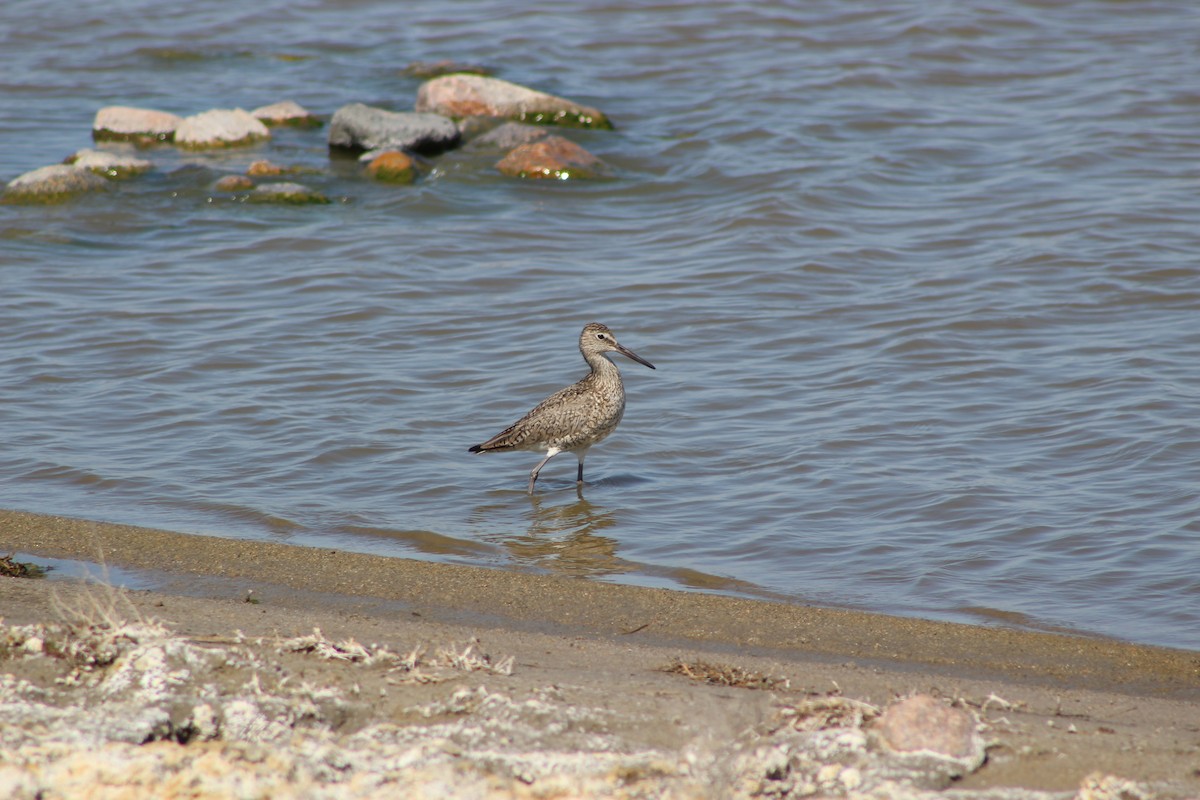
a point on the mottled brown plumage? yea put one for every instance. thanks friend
(573, 419)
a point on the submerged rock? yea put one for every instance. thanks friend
(125, 123)
(110, 165)
(392, 166)
(233, 183)
(53, 184)
(220, 128)
(287, 193)
(361, 127)
(434, 69)
(553, 157)
(508, 136)
(286, 112)
(263, 167)
(461, 95)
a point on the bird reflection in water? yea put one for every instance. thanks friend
(565, 539)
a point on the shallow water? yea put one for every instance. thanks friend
(920, 281)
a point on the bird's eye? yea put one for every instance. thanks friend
(601, 336)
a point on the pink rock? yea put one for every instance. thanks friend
(553, 157)
(285, 112)
(220, 128)
(109, 165)
(234, 183)
(124, 122)
(923, 724)
(462, 95)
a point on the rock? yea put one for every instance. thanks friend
(234, 183)
(392, 166)
(434, 69)
(220, 128)
(361, 127)
(262, 167)
(921, 724)
(286, 112)
(134, 124)
(553, 157)
(508, 136)
(462, 95)
(1097, 786)
(53, 184)
(288, 193)
(110, 165)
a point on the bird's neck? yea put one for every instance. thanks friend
(602, 368)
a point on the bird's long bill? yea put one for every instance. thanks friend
(625, 351)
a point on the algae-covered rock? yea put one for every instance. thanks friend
(392, 166)
(288, 194)
(286, 112)
(553, 157)
(220, 128)
(461, 95)
(361, 127)
(53, 184)
(126, 123)
(110, 165)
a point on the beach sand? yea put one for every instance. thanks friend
(257, 669)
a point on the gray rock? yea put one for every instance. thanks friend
(220, 128)
(462, 95)
(110, 165)
(508, 136)
(125, 122)
(361, 127)
(53, 183)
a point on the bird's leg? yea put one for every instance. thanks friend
(579, 476)
(533, 475)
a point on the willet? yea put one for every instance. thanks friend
(573, 419)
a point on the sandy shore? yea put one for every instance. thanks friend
(441, 680)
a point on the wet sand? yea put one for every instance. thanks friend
(1052, 709)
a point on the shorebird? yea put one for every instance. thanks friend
(573, 419)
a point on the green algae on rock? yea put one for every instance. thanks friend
(392, 166)
(287, 194)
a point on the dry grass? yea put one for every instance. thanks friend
(725, 675)
(416, 666)
(830, 711)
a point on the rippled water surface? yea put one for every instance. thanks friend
(920, 279)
